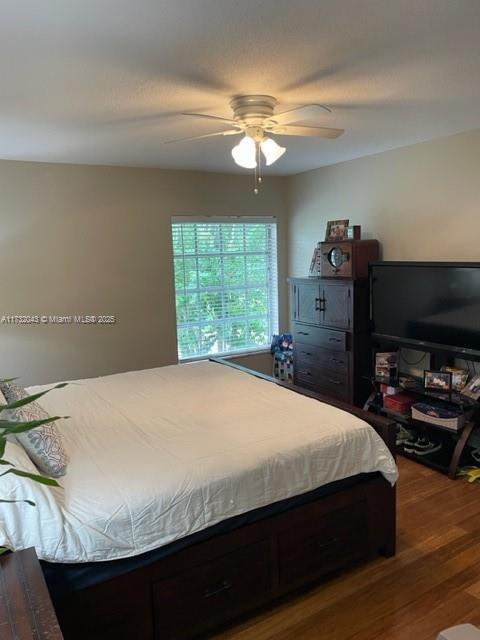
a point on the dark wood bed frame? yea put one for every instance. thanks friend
(214, 582)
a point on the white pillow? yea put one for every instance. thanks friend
(44, 444)
(23, 525)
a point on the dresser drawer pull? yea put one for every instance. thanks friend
(318, 545)
(333, 381)
(335, 361)
(215, 589)
(334, 340)
(303, 333)
(306, 353)
(307, 373)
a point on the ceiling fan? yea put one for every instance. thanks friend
(254, 118)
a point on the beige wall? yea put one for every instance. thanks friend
(96, 240)
(422, 202)
(92, 240)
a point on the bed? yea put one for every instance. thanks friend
(196, 493)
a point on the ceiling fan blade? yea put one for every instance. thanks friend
(229, 132)
(318, 132)
(209, 117)
(307, 112)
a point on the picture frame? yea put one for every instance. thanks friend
(353, 232)
(316, 262)
(386, 367)
(437, 381)
(459, 377)
(472, 390)
(336, 230)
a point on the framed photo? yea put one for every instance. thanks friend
(316, 263)
(386, 367)
(472, 390)
(336, 230)
(459, 377)
(354, 232)
(440, 381)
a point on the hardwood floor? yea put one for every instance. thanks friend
(432, 583)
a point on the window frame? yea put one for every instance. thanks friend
(271, 285)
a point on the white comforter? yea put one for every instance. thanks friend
(159, 454)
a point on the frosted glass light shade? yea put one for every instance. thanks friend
(271, 150)
(244, 153)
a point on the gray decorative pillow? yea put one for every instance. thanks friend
(44, 444)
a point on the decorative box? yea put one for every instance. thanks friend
(400, 403)
(347, 258)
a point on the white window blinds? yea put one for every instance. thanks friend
(225, 284)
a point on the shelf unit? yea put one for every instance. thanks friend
(447, 460)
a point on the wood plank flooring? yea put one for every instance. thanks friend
(432, 583)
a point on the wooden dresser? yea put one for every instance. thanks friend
(26, 611)
(330, 324)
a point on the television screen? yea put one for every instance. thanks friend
(427, 303)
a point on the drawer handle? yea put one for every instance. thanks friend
(307, 373)
(306, 353)
(303, 333)
(333, 381)
(334, 340)
(321, 544)
(335, 361)
(215, 589)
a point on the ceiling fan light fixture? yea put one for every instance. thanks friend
(271, 150)
(244, 153)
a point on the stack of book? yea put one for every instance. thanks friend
(447, 417)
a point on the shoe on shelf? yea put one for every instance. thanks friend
(404, 435)
(425, 447)
(476, 455)
(410, 445)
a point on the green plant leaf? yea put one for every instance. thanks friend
(3, 444)
(33, 476)
(28, 399)
(10, 426)
(30, 502)
(6, 462)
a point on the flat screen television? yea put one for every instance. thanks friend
(432, 304)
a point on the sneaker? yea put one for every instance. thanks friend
(404, 435)
(476, 455)
(410, 445)
(425, 447)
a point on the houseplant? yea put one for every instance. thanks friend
(10, 427)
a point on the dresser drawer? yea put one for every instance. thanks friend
(335, 384)
(326, 544)
(317, 336)
(211, 593)
(311, 356)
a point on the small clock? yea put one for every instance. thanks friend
(347, 258)
(336, 257)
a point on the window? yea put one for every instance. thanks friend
(225, 284)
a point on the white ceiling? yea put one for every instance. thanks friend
(102, 81)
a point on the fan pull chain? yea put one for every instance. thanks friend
(258, 172)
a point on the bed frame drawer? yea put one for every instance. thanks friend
(207, 595)
(317, 336)
(326, 545)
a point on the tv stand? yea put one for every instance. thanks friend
(450, 468)
(454, 443)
